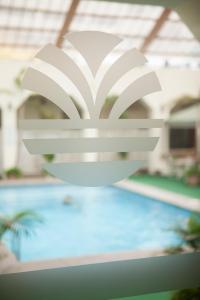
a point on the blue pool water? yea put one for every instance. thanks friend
(99, 220)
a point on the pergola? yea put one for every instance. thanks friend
(157, 31)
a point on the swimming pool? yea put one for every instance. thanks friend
(99, 220)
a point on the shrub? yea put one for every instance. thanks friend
(49, 157)
(123, 155)
(13, 173)
(192, 175)
(194, 170)
(187, 294)
(189, 235)
(190, 238)
(19, 224)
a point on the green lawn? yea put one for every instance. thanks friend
(168, 183)
(157, 296)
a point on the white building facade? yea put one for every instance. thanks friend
(176, 83)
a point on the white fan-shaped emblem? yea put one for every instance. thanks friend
(93, 173)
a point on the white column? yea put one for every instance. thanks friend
(198, 133)
(91, 133)
(9, 136)
(158, 159)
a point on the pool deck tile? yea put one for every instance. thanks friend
(82, 260)
(156, 193)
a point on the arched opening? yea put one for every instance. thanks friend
(138, 110)
(36, 107)
(184, 103)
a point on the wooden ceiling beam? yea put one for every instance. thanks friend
(67, 22)
(156, 29)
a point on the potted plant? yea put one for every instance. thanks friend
(49, 157)
(13, 173)
(189, 234)
(192, 175)
(123, 155)
(18, 224)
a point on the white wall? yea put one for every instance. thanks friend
(175, 84)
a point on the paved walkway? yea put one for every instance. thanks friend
(82, 260)
(156, 193)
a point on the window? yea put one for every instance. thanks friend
(182, 138)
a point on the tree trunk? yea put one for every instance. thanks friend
(7, 259)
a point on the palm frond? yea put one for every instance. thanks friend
(189, 232)
(21, 223)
